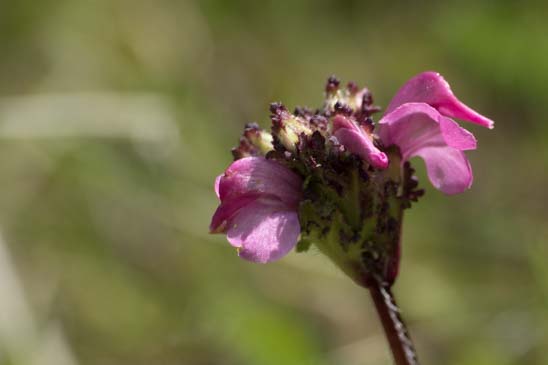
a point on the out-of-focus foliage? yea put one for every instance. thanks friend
(116, 116)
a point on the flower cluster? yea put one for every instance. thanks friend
(334, 178)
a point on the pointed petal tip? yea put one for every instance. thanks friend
(484, 122)
(456, 109)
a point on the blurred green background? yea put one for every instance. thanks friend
(116, 115)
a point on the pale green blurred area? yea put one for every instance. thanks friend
(116, 116)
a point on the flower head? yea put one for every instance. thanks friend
(334, 179)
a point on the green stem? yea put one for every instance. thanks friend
(396, 332)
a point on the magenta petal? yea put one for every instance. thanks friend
(448, 169)
(432, 89)
(341, 122)
(411, 126)
(456, 136)
(264, 231)
(228, 209)
(357, 142)
(360, 145)
(258, 210)
(257, 174)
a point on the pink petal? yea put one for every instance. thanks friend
(357, 142)
(419, 130)
(414, 125)
(228, 209)
(257, 174)
(264, 231)
(448, 169)
(432, 89)
(456, 136)
(341, 122)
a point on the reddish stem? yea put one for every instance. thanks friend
(396, 332)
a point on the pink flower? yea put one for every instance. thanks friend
(416, 121)
(258, 210)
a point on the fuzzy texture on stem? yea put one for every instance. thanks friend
(396, 332)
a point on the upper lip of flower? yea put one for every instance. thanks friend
(261, 176)
(431, 88)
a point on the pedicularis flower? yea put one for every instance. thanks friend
(335, 179)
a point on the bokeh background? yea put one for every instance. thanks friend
(116, 115)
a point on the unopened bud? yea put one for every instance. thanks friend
(287, 127)
(259, 138)
(332, 85)
(254, 142)
(364, 102)
(351, 97)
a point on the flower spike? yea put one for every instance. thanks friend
(334, 178)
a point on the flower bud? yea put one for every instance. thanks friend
(259, 138)
(254, 142)
(286, 127)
